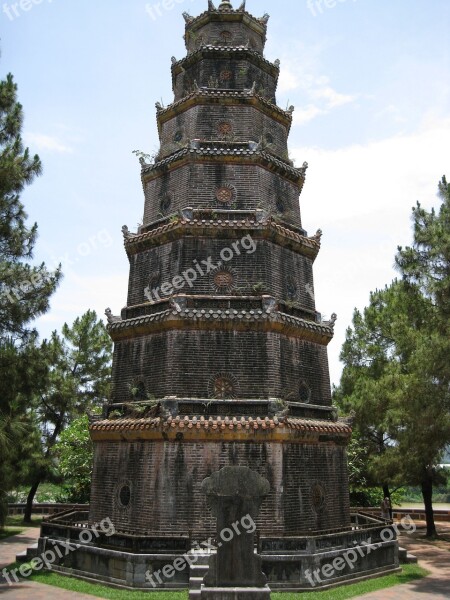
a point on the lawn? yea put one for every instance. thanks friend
(9, 531)
(410, 573)
(17, 521)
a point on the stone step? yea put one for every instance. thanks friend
(28, 554)
(405, 557)
(195, 594)
(195, 583)
(32, 551)
(197, 570)
(21, 557)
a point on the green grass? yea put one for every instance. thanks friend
(410, 573)
(17, 520)
(9, 531)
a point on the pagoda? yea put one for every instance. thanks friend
(220, 355)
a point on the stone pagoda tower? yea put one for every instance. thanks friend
(220, 355)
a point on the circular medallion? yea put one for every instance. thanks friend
(223, 386)
(225, 195)
(223, 279)
(318, 497)
(225, 129)
(123, 494)
(226, 75)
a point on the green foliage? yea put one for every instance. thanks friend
(33, 285)
(47, 492)
(25, 291)
(427, 262)
(78, 381)
(74, 452)
(396, 374)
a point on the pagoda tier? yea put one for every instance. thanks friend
(220, 355)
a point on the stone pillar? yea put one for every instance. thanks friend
(235, 495)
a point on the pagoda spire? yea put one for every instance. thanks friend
(225, 5)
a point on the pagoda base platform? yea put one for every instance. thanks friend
(235, 593)
(297, 564)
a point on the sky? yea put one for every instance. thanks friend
(370, 83)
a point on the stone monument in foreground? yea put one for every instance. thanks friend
(220, 355)
(235, 572)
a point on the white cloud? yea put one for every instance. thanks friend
(299, 76)
(288, 80)
(77, 294)
(47, 143)
(307, 114)
(361, 196)
(332, 98)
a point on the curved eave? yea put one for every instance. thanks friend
(218, 320)
(266, 230)
(230, 154)
(205, 96)
(206, 52)
(226, 428)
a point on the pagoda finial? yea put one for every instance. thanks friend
(226, 5)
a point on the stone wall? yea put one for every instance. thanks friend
(308, 492)
(240, 70)
(264, 266)
(238, 123)
(258, 365)
(197, 185)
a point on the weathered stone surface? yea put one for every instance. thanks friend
(244, 341)
(235, 495)
(235, 593)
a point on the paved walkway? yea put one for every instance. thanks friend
(28, 590)
(434, 587)
(17, 543)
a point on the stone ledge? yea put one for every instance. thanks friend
(268, 229)
(241, 152)
(234, 320)
(234, 593)
(233, 96)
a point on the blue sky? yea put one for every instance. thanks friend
(370, 83)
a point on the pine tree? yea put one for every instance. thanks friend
(79, 363)
(397, 373)
(25, 289)
(427, 264)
